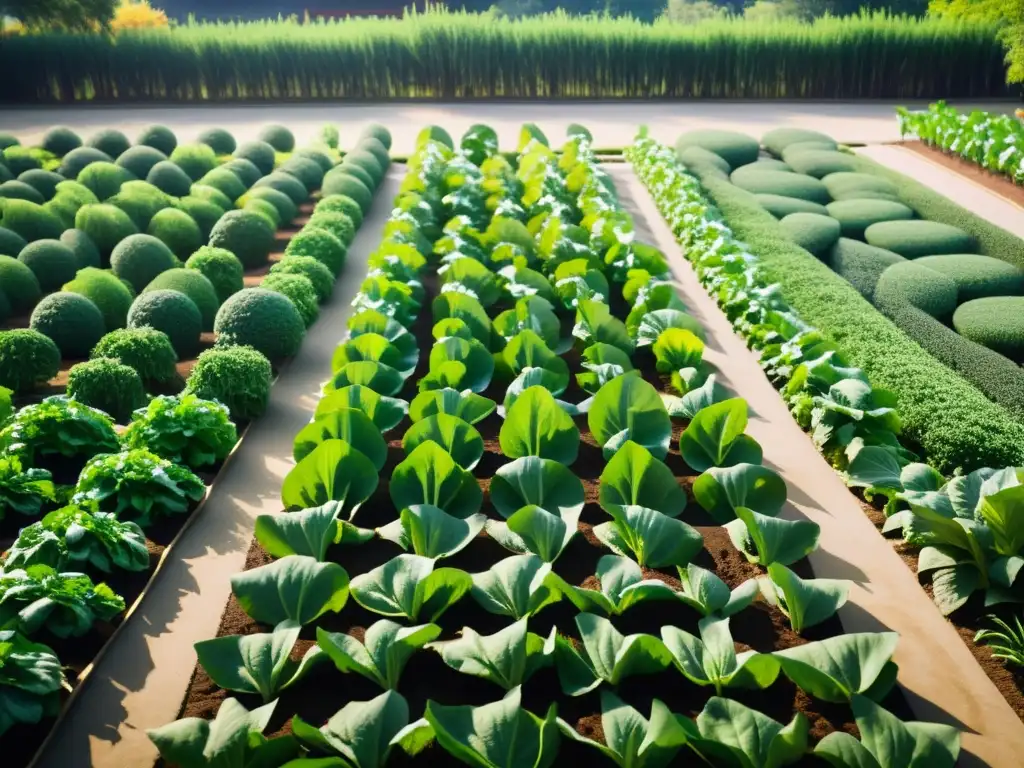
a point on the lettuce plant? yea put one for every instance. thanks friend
(61, 426)
(431, 532)
(531, 480)
(719, 490)
(451, 374)
(677, 348)
(382, 655)
(184, 429)
(707, 594)
(467, 272)
(348, 424)
(852, 409)
(654, 540)
(533, 529)
(66, 604)
(466, 308)
(699, 392)
(472, 354)
(31, 679)
(765, 540)
(22, 490)
(837, 668)
(379, 377)
(370, 322)
(333, 471)
(711, 659)
(518, 586)
(388, 297)
(459, 438)
(601, 363)
(385, 412)
(295, 588)
(308, 532)
(410, 586)
(137, 485)
(374, 348)
(805, 602)
(629, 408)
(634, 477)
(466, 405)
(654, 323)
(622, 586)
(531, 313)
(541, 377)
(714, 437)
(528, 350)
(429, 475)
(535, 425)
(507, 658)
(728, 733)
(596, 324)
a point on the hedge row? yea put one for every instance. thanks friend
(954, 423)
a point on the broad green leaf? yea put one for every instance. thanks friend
(472, 274)
(471, 353)
(383, 654)
(653, 539)
(467, 309)
(711, 659)
(656, 322)
(431, 532)
(449, 375)
(596, 324)
(527, 350)
(333, 471)
(537, 377)
(703, 591)
(430, 476)
(532, 529)
(836, 668)
(523, 281)
(629, 408)
(307, 532)
(634, 477)
(507, 658)
(374, 348)
(381, 378)
(257, 664)
(965, 491)
(409, 585)
(842, 750)
(530, 313)
(467, 405)
(697, 397)
(361, 733)
(531, 480)
(459, 438)
(369, 321)
(536, 426)
(297, 588)
(714, 437)
(677, 348)
(517, 586)
(622, 586)
(384, 412)
(766, 540)
(451, 327)
(348, 424)
(601, 363)
(952, 587)
(721, 489)
(734, 735)
(1004, 513)
(805, 602)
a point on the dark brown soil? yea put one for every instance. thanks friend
(999, 183)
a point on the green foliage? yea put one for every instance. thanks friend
(159, 137)
(60, 140)
(221, 267)
(21, 191)
(780, 183)
(27, 359)
(104, 179)
(18, 159)
(245, 234)
(319, 276)
(29, 220)
(109, 141)
(106, 225)
(410, 586)
(196, 160)
(111, 296)
(855, 216)
(341, 204)
(64, 604)
(52, 262)
(911, 283)
(239, 377)
(332, 471)
(536, 425)
(320, 245)
(348, 424)
(140, 159)
(106, 384)
(185, 429)
(72, 321)
(147, 350)
(193, 284)
(24, 490)
(75, 161)
(977, 276)
(995, 322)
(19, 284)
(278, 137)
(60, 426)
(286, 209)
(259, 153)
(219, 140)
(31, 682)
(735, 148)
(172, 312)
(177, 230)
(338, 182)
(861, 264)
(429, 475)
(629, 408)
(286, 184)
(299, 290)
(912, 239)
(169, 178)
(383, 654)
(203, 212)
(141, 201)
(261, 319)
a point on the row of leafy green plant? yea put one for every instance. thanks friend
(969, 527)
(547, 239)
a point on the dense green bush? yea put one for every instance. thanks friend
(77, 193)
(20, 159)
(319, 275)
(321, 245)
(196, 160)
(911, 239)
(85, 249)
(246, 234)
(177, 230)
(19, 284)
(73, 322)
(169, 178)
(19, 190)
(193, 284)
(219, 140)
(239, 377)
(104, 179)
(375, 147)
(28, 359)
(819, 162)
(60, 140)
(319, 156)
(172, 312)
(259, 153)
(263, 320)
(204, 213)
(109, 141)
(776, 141)
(140, 159)
(286, 209)
(996, 322)
(299, 290)
(159, 137)
(109, 385)
(854, 216)
(705, 157)
(769, 164)
(378, 132)
(225, 181)
(279, 137)
(141, 201)
(52, 262)
(264, 209)
(104, 289)
(926, 289)
(44, 182)
(335, 222)
(812, 231)
(305, 170)
(341, 204)
(780, 183)
(735, 148)
(147, 350)
(31, 221)
(861, 264)
(64, 208)
(213, 195)
(5, 172)
(245, 170)
(76, 161)
(858, 185)
(285, 182)
(366, 161)
(359, 173)
(780, 205)
(11, 242)
(140, 258)
(337, 182)
(221, 267)
(976, 276)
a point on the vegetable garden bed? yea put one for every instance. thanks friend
(991, 180)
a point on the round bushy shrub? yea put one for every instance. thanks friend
(73, 322)
(926, 289)
(30, 220)
(299, 290)
(19, 190)
(28, 359)
(776, 141)
(768, 164)
(812, 231)
(148, 351)
(305, 170)
(318, 275)
(368, 162)
(193, 284)
(286, 209)
(781, 183)
(44, 182)
(221, 267)
(246, 234)
(225, 181)
(139, 258)
(861, 264)
(378, 150)
(11, 242)
(204, 213)
(379, 132)
(77, 160)
(104, 179)
(284, 182)
(263, 320)
(780, 206)
(701, 156)
(109, 141)
(854, 216)
(63, 208)
(141, 201)
(219, 140)
(320, 245)
(20, 159)
(172, 312)
(52, 262)
(212, 195)
(264, 209)
(5, 172)
(106, 225)
(318, 156)
(279, 137)
(996, 322)
(259, 153)
(359, 173)
(976, 276)
(85, 249)
(19, 284)
(335, 222)
(106, 384)
(78, 193)
(159, 137)
(735, 148)
(104, 289)
(341, 204)
(169, 178)
(912, 239)
(245, 170)
(196, 160)
(847, 186)
(60, 140)
(238, 377)
(819, 162)
(177, 230)
(337, 182)
(140, 159)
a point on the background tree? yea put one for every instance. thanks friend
(75, 15)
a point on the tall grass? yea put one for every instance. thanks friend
(445, 55)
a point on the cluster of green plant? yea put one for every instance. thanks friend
(184, 429)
